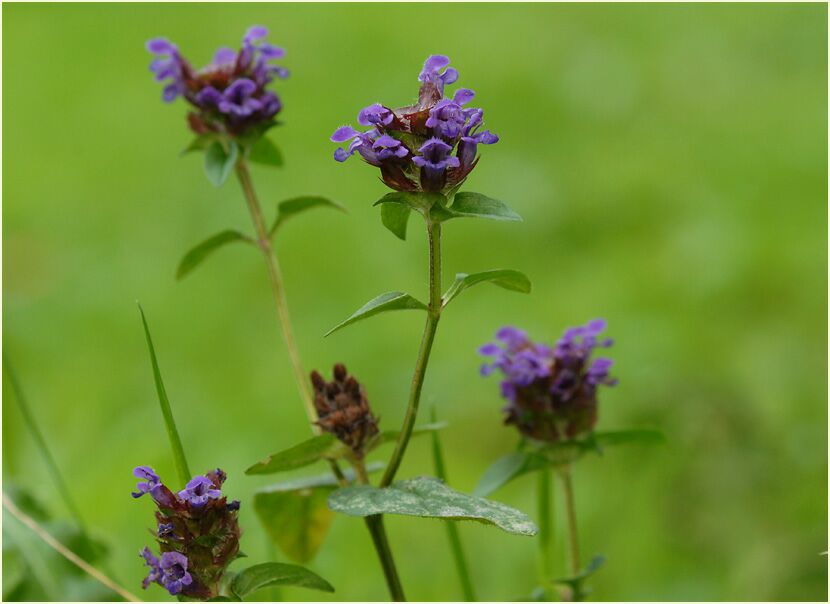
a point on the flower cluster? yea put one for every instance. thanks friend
(551, 390)
(229, 95)
(429, 146)
(343, 409)
(197, 533)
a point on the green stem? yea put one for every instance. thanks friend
(172, 432)
(40, 441)
(452, 529)
(433, 316)
(381, 542)
(570, 511)
(543, 512)
(263, 241)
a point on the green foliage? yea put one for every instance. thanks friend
(383, 303)
(219, 162)
(504, 278)
(322, 446)
(264, 151)
(576, 584)
(291, 207)
(274, 573)
(395, 217)
(296, 520)
(476, 205)
(166, 412)
(196, 255)
(428, 498)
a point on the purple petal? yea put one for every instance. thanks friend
(161, 46)
(224, 55)
(463, 96)
(255, 32)
(343, 134)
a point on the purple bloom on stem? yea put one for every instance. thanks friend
(199, 490)
(361, 142)
(386, 147)
(375, 115)
(154, 574)
(432, 74)
(152, 480)
(238, 100)
(167, 66)
(175, 576)
(448, 117)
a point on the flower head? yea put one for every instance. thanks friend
(197, 532)
(229, 95)
(551, 391)
(429, 146)
(344, 409)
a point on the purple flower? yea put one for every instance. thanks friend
(152, 480)
(199, 490)
(429, 146)
(154, 574)
(229, 95)
(174, 572)
(551, 390)
(166, 529)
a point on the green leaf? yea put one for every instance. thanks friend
(219, 162)
(503, 470)
(197, 254)
(200, 143)
(420, 202)
(388, 436)
(476, 205)
(505, 278)
(264, 151)
(166, 411)
(395, 217)
(306, 453)
(577, 583)
(291, 207)
(296, 520)
(429, 498)
(274, 573)
(383, 303)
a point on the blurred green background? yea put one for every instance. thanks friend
(670, 164)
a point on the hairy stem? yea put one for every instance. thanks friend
(66, 553)
(381, 542)
(263, 241)
(433, 316)
(570, 511)
(452, 529)
(543, 512)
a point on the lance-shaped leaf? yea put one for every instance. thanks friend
(264, 151)
(429, 498)
(291, 207)
(295, 514)
(322, 446)
(395, 217)
(505, 278)
(388, 436)
(200, 143)
(275, 573)
(503, 470)
(476, 205)
(383, 303)
(420, 202)
(219, 162)
(200, 252)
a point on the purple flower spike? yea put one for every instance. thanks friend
(154, 574)
(147, 474)
(175, 576)
(439, 134)
(199, 490)
(551, 390)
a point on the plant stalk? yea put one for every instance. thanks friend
(543, 511)
(570, 511)
(381, 542)
(433, 316)
(452, 529)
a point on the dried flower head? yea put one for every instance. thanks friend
(428, 146)
(228, 95)
(551, 391)
(197, 532)
(343, 409)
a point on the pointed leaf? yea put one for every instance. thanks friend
(219, 162)
(274, 573)
(200, 143)
(297, 521)
(505, 278)
(291, 207)
(417, 201)
(503, 470)
(197, 254)
(429, 498)
(306, 453)
(476, 205)
(383, 303)
(395, 217)
(264, 151)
